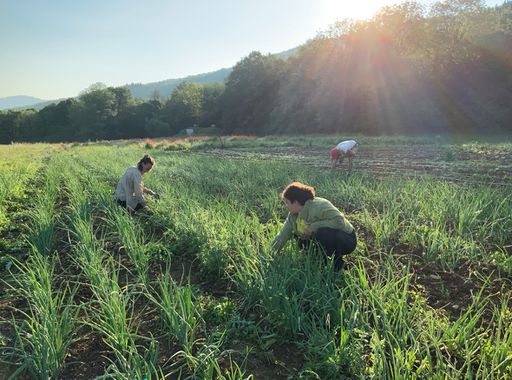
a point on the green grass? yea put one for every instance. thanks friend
(237, 302)
(44, 336)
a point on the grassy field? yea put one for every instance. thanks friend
(188, 289)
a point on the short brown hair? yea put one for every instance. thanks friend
(297, 191)
(147, 159)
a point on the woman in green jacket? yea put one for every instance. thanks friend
(314, 218)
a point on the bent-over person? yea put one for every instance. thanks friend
(130, 189)
(315, 219)
(344, 149)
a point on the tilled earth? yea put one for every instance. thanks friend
(453, 165)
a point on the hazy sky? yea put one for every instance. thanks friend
(56, 48)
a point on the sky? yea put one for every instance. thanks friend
(56, 48)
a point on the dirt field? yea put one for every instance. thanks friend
(453, 165)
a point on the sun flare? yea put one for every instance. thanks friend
(363, 9)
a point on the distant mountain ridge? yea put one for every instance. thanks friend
(18, 101)
(139, 90)
(165, 87)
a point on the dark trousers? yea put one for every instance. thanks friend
(123, 204)
(334, 243)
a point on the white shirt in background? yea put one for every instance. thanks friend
(345, 146)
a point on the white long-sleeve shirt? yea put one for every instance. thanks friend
(345, 146)
(130, 188)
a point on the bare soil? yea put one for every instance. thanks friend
(453, 291)
(455, 165)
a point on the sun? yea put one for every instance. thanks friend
(355, 9)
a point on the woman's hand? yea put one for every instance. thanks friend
(152, 193)
(308, 232)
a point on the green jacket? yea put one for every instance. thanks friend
(316, 213)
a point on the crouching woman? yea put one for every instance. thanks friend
(314, 219)
(130, 188)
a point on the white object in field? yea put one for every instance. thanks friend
(345, 146)
(190, 131)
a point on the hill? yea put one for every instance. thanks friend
(165, 87)
(19, 101)
(144, 91)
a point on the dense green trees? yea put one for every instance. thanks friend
(251, 93)
(211, 108)
(410, 69)
(184, 107)
(9, 122)
(53, 123)
(190, 105)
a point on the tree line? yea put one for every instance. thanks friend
(410, 69)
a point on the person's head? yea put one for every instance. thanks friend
(335, 153)
(146, 163)
(295, 196)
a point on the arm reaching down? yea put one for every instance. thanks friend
(151, 192)
(284, 235)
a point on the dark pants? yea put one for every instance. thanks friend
(123, 204)
(334, 243)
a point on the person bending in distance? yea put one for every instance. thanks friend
(344, 149)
